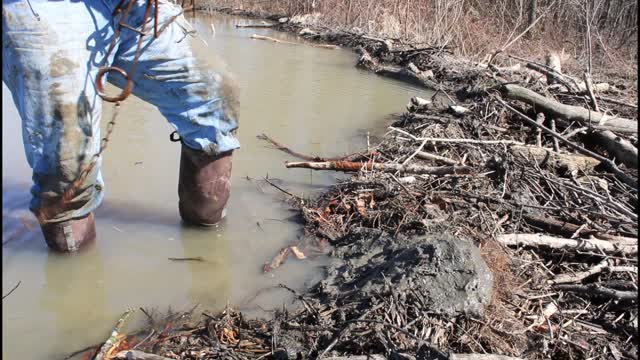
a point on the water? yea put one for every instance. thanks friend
(311, 99)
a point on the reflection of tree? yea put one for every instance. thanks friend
(211, 278)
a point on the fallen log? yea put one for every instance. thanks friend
(621, 149)
(581, 115)
(625, 247)
(348, 166)
(558, 161)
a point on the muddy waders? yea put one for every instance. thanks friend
(203, 187)
(57, 55)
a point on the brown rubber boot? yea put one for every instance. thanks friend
(70, 235)
(204, 186)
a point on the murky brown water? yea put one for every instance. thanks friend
(309, 98)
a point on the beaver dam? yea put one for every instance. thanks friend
(496, 217)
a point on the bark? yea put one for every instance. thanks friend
(619, 148)
(348, 166)
(555, 109)
(627, 247)
(114, 335)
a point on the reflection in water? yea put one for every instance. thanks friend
(310, 99)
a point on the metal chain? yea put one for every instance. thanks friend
(49, 211)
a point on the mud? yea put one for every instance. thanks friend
(446, 273)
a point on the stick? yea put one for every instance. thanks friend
(467, 141)
(612, 166)
(348, 166)
(428, 156)
(12, 290)
(114, 335)
(197, 258)
(597, 290)
(545, 241)
(601, 267)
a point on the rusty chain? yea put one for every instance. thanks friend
(47, 212)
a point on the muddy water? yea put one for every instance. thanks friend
(309, 98)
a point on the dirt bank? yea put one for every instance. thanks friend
(498, 217)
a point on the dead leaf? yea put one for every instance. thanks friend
(277, 260)
(299, 254)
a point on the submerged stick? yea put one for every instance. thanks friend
(114, 335)
(349, 166)
(12, 290)
(197, 258)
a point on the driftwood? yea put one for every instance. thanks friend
(349, 166)
(555, 160)
(581, 115)
(618, 147)
(537, 240)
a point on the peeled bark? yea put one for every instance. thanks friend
(555, 109)
(625, 246)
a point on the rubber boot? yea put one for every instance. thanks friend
(70, 235)
(204, 186)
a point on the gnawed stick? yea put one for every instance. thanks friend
(114, 335)
(349, 166)
(599, 268)
(544, 241)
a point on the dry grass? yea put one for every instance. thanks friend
(604, 31)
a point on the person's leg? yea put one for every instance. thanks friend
(197, 101)
(49, 53)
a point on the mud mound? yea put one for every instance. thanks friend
(445, 274)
